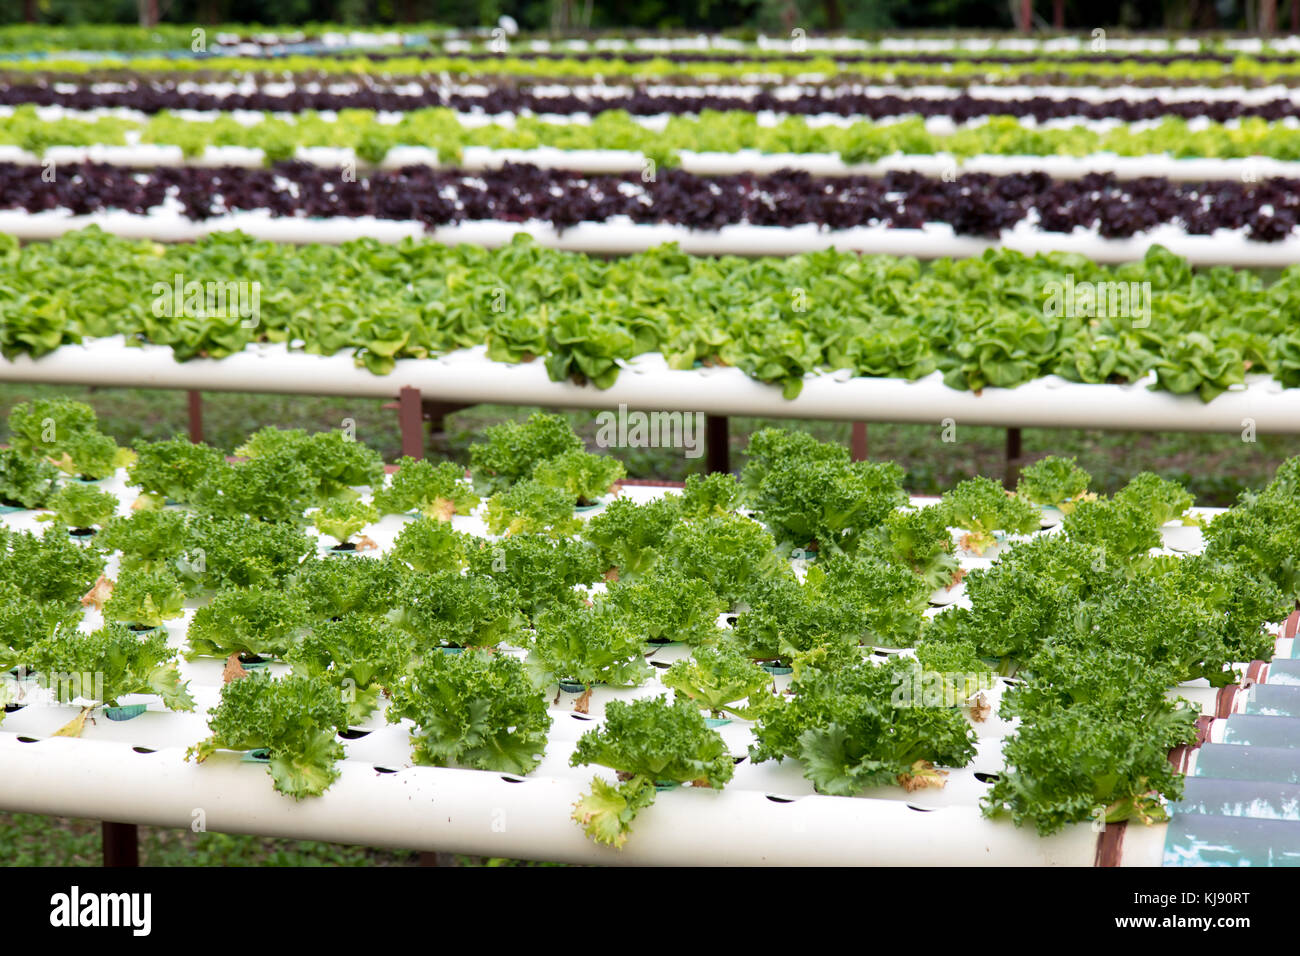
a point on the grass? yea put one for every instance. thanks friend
(32, 840)
(1215, 468)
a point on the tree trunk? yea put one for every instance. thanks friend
(29, 11)
(1058, 14)
(1295, 16)
(148, 13)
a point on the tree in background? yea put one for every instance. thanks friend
(773, 16)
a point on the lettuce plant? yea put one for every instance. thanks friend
(473, 709)
(770, 447)
(25, 622)
(732, 554)
(825, 505)
(787, 618)
(1118, 529)
(171, 470)
(364, 656)
(429, 545)
(145, 598)
(44, 427)
(1164, 500)
(852, 729)
(450, 609)
(918, 539)
(582, 476)
(335, 462)
(50, 568)
(707, 496)
(273, 488)
(981, 508)
(148, 540)
(436, 491)
(341, 519)
(1091, 763)
(241, 551)
(294, 718)
(889, 601)
(513, 450)
(332, 588)
(25, 482)
(257, 621)
(122, 663)
(665, 606)
(588, 645)
(542, 571)
(720, 679)
(78, 506)
(648, 743)
(530, 507)
(90, 454)
(1053, 482)
(630, 536)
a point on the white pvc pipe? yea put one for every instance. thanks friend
(466, 811)
(615, 237)
(701, 163)
(469, 376)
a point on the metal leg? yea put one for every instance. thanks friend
(717, 442)
(413, 411)
(436, 859)
(410, 418)
(121, 844)
(858, 442)
(1013, 459)
(196, 415)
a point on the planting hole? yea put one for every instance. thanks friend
(353, 734)
(385, 770)
(776, 799)
(509, 779)
(983, 777)
(28, 740)
(144, 750)
(581, 717)
(660, 664)
(920, 809)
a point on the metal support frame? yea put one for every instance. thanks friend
(858, 442)
(410, 419)
(121, 844)
(1013, 459)
(413, 411)
(195, 401)
(717, 441)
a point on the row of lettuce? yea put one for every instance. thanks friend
(1002, 319)
(1093, 625)
(1243, 71)
(858, 141)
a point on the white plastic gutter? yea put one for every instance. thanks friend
(647, 383)
(701, 163)
(465, 811)
(621, 237)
